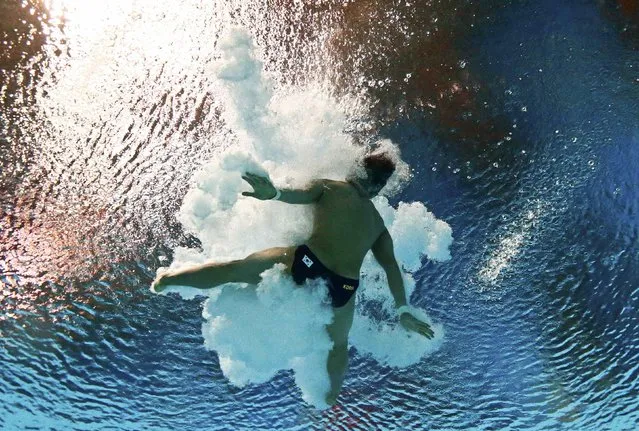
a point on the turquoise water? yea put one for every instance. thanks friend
(520, 123)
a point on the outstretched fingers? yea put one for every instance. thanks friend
(262, 187)
(254, 178)
(425, 330)
(414, 324)
(249, 178)
(253, 182)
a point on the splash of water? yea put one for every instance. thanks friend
(294, 135)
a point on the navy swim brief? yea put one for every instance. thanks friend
(307, 266)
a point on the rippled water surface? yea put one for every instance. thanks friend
(519, 118)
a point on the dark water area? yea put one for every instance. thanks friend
(520, 120)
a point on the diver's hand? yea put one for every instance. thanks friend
(412, 323)
(263, 189)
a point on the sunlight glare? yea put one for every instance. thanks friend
(88, 18)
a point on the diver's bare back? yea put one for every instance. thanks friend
(345, 226)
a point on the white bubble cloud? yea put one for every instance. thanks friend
(293, 135)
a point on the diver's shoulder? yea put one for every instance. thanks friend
(378, 217)
(334, 184)
(378, 220)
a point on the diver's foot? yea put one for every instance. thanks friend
(331, 399)
(160, 283)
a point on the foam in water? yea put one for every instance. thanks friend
(293, 136)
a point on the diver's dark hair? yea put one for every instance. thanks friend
(380, 167)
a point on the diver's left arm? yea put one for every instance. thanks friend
(384, 254)
(263, 189)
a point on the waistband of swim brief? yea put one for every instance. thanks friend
(305, 249)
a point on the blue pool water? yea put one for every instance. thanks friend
(520, 121)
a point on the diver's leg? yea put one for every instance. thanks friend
(337, 362)
(213, 274)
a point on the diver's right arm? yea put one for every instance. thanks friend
(264, 189)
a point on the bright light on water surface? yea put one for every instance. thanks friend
(520, 122)
(87, 17)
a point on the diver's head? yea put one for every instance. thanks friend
(373, 173)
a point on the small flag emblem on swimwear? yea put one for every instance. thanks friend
(348, 287)
(307, 260)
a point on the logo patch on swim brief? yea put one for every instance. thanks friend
(348, 287)
(307, 260)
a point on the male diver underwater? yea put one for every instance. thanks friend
(346, 226)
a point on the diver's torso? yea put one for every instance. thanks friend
(345, 227)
